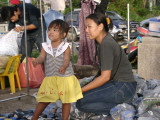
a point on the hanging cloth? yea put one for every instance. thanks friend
(27, 1)
(101, 8)
(15, 2)
(87, 47)
(51, 15)
(58, 5)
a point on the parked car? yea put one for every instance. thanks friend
(121, 24)
(76, 30)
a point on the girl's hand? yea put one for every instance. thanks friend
(62, 70)
(34, 62)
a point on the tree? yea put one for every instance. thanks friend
(3, 3)
(144, 3)
(139, 9)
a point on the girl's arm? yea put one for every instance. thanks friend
(99, 81)
(40, 59)
(66, 61)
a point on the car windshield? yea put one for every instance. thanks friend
(114, 16)
(74, 16)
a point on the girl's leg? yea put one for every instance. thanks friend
(39, 109)
(66, 110)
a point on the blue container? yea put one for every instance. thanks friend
(2, 118)
(154, 27)
(13, 118)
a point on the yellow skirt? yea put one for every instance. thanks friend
(66, 89)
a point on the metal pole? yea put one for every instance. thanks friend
(42, 32)
(128, 30)
(72, 32)
(12, 98)
(25, 35)
(8, 3)
(37, 4)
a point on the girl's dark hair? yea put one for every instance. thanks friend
(99, 18)
(7, 12)
(61, 25)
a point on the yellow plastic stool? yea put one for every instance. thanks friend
(11, 71)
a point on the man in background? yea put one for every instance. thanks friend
(15, 16)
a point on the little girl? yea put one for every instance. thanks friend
(59, 83)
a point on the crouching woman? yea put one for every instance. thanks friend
(115, 84)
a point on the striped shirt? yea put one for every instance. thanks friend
(52, 65)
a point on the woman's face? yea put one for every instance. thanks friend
(92, 29)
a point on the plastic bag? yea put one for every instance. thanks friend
(123, 112)
(149, 100)
(85, 81)
(8, 44)
(36, 74)
(141, 85)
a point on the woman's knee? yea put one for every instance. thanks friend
(78, 104)
(125, 93)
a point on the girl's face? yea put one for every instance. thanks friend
(54, 34)
(92, 29)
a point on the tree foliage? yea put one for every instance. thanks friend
(139, 9)
(3, 3)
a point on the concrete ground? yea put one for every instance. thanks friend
(20, 100)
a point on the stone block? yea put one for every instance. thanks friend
(149, 58)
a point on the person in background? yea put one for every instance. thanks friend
(60, 82)
(114, 83)
(15, 16)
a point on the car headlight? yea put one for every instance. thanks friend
(122, 26)
(77, 30)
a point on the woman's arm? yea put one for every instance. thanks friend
(97, 82)
(66, 61)
(40, 59)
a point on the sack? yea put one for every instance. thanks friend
(8, 44)
(36, 74)
(3, 62)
